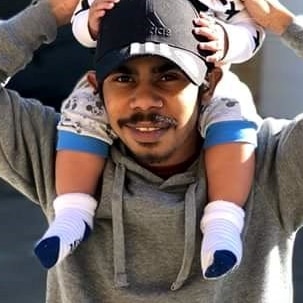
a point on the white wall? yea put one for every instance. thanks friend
(281, 83)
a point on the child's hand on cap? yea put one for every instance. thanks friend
(216, 46)
(96, 11)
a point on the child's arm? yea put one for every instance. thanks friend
(244, 36)
(84, 137)
(86, 20)
(229, 126)
(80, 24)
(277, 18)
(230, 167)
(78, 172)
(272, 15)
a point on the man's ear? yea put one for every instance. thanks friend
(213, 79)
(92, 79)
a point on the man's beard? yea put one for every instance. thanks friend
(150, 158)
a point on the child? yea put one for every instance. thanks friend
(228, 126)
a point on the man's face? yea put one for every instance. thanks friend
(153, 108)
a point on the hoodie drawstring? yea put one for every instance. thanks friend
(120, 274)
(118, 228)
(190, 237)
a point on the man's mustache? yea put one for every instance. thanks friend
(148, 117)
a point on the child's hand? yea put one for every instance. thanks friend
(63, 10)
(207, 27)
(96, 11)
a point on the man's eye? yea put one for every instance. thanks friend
(169, 77)
(123, 78)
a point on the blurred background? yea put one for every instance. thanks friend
(274, 76)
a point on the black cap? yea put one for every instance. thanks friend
(150, 27)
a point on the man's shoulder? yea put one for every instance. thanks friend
(272, 127)
(279, 167)
(276, 135)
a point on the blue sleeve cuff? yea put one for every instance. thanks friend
(75, 142)
(231, 131)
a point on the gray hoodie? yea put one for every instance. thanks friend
(146, 241)
(293, 36)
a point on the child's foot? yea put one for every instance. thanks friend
(221, 250)
(74, 214)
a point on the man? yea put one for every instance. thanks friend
(275, 17)
(145, 244)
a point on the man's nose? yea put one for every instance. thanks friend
(145, 98)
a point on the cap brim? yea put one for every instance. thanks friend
(192, 65)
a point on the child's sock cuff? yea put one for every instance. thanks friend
(223, 210)
(79, 201)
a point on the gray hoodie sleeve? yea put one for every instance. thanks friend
(27, 146)
(280, 170)
(22, 34)
(293, 36)
(27, 128)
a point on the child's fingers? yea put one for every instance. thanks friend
(108, 4)
(213, 46)
(96, 15)
(98, 10)
(207, 32)
(215, 58)
(204, 20)
(212, 37)
(217, 52)
(200, 22)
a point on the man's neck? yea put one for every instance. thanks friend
(167, 171)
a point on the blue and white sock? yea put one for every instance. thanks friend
(221, 250)
(74, 215)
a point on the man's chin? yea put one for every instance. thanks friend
(150, 158)
(148, 153)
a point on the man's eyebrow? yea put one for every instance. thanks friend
(125, 69)
(165, 67)
(122, 69)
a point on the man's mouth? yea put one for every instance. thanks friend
(148, 120)
(147, 133)
(147, 129)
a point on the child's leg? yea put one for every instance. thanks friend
(77, 174)
(82, 148)
(230, 169)
(229, 126)
(78, 171)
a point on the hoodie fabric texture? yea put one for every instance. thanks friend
(293, 36)
(146, 241)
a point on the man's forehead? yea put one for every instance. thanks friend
(155, 63)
